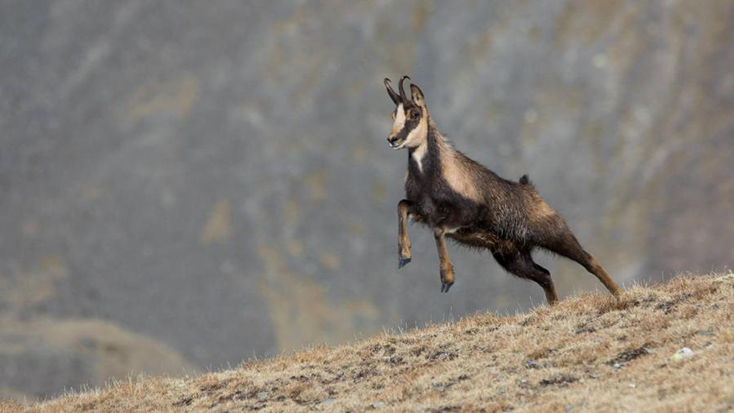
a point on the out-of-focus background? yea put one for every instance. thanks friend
(184, 185)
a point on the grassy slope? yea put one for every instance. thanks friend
(588, 353)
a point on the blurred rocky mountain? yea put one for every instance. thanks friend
(202, 182)
(49, 355)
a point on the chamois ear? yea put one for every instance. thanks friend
(417, 95)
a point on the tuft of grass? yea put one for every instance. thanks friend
(588, 353)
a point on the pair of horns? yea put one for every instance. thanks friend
(398, 99)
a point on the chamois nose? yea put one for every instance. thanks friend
(391, 140)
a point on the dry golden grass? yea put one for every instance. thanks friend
(589, 353)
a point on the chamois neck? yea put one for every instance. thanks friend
(426, 155)
(417, 155)
(435, 138)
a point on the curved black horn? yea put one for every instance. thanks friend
(402, 91)
(390, 91)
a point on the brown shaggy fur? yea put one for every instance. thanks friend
(458, 198)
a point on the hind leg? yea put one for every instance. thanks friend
(593, 266)
(567, 246)
(522, 265)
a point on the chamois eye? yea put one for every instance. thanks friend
(414, 114)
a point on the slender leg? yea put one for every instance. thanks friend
(543, 278)
(404, 256)
(566, 245)
(447, 268)
(595, 268)
(522, 265)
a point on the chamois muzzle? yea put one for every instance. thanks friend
(393, 141)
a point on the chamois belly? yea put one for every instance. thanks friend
(465, 223)
(441, 213)
(481, 238)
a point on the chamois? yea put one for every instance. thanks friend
(458, 198)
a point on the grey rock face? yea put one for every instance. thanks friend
(216, 177)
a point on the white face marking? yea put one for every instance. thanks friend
(399, 122)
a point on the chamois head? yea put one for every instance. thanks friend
(410, 117)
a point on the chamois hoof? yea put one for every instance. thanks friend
(403, 262)
(445, 286)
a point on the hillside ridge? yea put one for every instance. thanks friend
(659, 348)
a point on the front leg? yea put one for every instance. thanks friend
(447, 268)
(405, 207)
